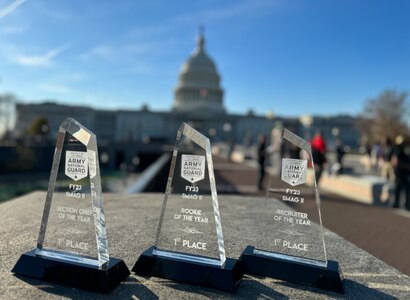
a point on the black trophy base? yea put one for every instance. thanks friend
(327, 278)
(72, 274)
(225, 278)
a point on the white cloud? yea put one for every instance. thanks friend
(10, 8)
(41, 60)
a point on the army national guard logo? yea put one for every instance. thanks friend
(294, 171)
(76, 164)
(193, 167)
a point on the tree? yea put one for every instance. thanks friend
(39, 126)
(385, 116)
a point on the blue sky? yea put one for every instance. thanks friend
(290, 57)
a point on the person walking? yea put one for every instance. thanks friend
(318, 154)
(386, 167)
(261, 160)
(400, 161)
(340, 153)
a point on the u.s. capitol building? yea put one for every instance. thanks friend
(198, 100)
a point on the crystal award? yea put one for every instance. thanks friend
(72, 246)
(189, 244)
(293, 246)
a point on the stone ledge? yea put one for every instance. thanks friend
(131, 226)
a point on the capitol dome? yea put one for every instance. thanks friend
(199, 83)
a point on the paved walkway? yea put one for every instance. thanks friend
(380, 231)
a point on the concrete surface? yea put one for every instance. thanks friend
(131, 226)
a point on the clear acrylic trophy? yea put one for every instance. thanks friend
(189, 245)
(293, 246)
(72, 246)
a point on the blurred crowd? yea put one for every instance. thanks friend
(391, 160)
(388, 158)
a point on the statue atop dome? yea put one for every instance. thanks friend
(200, 40)
(199, 87)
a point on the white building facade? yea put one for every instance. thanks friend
(198, 100)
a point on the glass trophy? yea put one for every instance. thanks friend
(293, 246)
(189, 244)
(72, 246)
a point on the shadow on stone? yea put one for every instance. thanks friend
(249, 289)
(253, 289)
(353, 290)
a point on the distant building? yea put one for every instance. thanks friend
(341, 127)
(198, 100)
